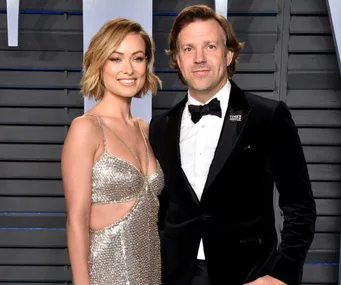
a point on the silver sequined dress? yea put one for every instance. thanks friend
(126, 252)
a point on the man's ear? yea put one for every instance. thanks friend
(176, 58)
(229, 57)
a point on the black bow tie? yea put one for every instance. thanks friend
(212, 108)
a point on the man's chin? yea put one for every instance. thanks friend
(200, 88)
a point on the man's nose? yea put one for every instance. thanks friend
(199, 56)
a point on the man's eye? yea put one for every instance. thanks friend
(211, 47)
(187, 49)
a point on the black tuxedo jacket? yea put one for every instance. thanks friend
(259, 146)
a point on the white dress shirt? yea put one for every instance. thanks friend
(198, 143)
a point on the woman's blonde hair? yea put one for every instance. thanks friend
(102, 45)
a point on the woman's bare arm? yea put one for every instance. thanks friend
(78, 154)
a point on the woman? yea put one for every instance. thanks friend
(110, 175)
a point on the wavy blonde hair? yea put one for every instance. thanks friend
(195, 13)
(102, 45)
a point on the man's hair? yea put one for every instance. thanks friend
(195, 13)
(102, 45)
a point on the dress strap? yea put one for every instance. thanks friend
(101, 124)
(145, 138)
(143, 132)
(130, 149)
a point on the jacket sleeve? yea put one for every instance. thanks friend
(163, 198)
(295, 198)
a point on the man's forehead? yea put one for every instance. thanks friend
(200, 31)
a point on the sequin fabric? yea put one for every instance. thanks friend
(126, 252)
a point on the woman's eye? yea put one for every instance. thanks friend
(139, 59)
(115, 59)
(187, 49)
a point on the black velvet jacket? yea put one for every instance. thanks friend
(235, 215)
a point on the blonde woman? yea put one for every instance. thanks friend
(110, 175)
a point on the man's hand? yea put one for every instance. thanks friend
(266, 280)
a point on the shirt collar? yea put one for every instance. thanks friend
(223, 96)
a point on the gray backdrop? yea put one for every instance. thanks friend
(289, 55)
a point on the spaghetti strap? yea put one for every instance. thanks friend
(130, 149)
(142, 131)
(101, 124)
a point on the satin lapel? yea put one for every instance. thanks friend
(234, 122)
(173, 148)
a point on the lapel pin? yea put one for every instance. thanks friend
(235, 118)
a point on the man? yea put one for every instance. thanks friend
(221, 150)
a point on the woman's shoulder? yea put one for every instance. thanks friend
(84, 127)
(86, 122)
(143, 124)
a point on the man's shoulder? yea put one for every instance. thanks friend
(160, 117)
(263, 109)
(159, 120)
(260, 102)
(173, 111)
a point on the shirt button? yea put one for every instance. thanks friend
(203, 126)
